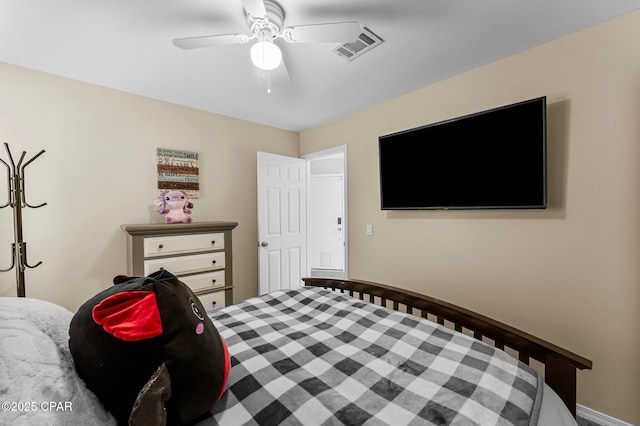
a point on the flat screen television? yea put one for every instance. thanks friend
(494, 159)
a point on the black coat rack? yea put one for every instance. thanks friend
(17, 201)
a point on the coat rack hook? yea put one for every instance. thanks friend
(23, 187)
(13, 164)
(17, 201)
(13, 258)
(8, 185)
(20, 160)
(23, 256)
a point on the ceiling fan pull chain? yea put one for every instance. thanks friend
(268, 81)
(266, 78)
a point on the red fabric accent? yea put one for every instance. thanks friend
(129, 316)
(227, 367)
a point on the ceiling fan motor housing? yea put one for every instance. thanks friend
(273, 23)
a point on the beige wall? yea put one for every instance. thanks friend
(98, 172)
(571, 273)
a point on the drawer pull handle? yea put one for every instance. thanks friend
(160, 246)
(213, 261)
(213, 281)
(213, 303)
(213, 243)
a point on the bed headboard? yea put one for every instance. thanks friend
(559, 364)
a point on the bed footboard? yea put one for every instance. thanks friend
(559, 364)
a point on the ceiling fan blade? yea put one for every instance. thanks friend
(212, 40)
(339, 32)
(255, 8)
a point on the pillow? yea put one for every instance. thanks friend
(147, 349)
(39, 384)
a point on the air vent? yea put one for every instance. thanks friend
(365, 42)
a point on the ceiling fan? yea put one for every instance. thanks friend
(265, 19)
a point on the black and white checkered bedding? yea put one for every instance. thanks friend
(315, 357)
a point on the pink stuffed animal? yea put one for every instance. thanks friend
(175, 205)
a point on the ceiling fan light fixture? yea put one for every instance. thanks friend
(266, 55)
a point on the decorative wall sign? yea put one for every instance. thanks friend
(178, 170)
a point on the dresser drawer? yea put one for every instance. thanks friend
(177, 244)
(212, 300)
(186, 264)
(205, 281)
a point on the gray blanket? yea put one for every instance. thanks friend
(38, 382)
(314, 357)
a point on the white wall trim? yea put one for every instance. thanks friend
(598, 417)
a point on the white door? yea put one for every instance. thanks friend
(326, 238)
(281, 222)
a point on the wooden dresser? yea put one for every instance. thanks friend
(198, 253)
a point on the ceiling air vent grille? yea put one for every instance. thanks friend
(365, 42)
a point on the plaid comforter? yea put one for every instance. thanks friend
(315, 357)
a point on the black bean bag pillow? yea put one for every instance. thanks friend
(149, 352)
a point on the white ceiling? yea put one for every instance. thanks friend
(127, 45)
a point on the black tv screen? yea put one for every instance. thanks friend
(494, 159)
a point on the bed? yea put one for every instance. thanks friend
(314, 356)
(333, 352)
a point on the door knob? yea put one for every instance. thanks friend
(264, 244)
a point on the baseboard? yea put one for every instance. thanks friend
(598, 417)
(327, 273)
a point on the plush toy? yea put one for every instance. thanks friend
(149, 352)
(175, 205)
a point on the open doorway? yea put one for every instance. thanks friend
(327, 251)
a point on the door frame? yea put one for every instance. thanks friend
(342, 149)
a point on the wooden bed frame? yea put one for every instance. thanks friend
(559, 364)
